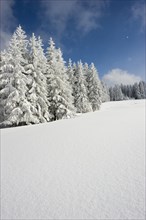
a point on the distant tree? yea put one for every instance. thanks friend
(136, 91)
(105, 92)
(111, 93)
(129, 91)
(142, 89)
(123, 92)
(118, 95)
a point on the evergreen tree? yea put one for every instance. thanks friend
(136, 91)
(16, 109)
(94, 90)
(5, 70)
(71, 78)
(37, 87)
(70, 73)
(111, 93)
(142, 88)
(81, 100)
(59, 89)
(105, 93)
(86, 72)
(118, 95)
(129, 91)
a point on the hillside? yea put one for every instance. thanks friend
(88, 167)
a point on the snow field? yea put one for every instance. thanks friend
(89, 167)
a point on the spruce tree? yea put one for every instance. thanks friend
(37, 88)
(59, 89)
(142, 88)
(5, 70)
(17, 110)
(70, 73)
(111, 93)
(105, 92)
(81, 100)
(136, 91)
(118, 95)
(71, 78)
(94, 89)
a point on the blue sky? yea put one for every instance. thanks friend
(110, 33)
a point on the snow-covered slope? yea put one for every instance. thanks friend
(89, 167)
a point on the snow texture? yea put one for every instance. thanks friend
(89, 167)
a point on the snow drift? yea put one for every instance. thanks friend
(89, 167)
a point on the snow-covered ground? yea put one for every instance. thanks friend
(89, 167)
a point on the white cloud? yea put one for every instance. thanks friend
(118, 76)
(139, 13)
(7, 21)
(57, 13)
(85, 15)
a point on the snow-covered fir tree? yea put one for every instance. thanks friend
(142, 89)
(129, 91)
(59, 89)
(65, 78)
(5, 70)
(136, 91)
(94, 89)
(16, 108)
(125, 91)
(86, 73)
(105, 92)
(111, 94)
(118, 95)
(81, 100)
(71, 77)
(70, 73)
(37, 86)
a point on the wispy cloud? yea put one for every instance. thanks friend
(139, 13)
(7, 21)
(85, 15)
(118, 76)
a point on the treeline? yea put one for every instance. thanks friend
(124, 92)
(38, 86)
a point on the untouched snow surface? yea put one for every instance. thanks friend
(89, 167)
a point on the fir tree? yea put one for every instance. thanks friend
(94, 89)
(105, 92)
(5, 70)
(71, 78)
(16, 109)
(37, 88)
(118, 95)
(81, 100)
(142, 88)
(59, 89)
(136, 91)
(70, 73)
